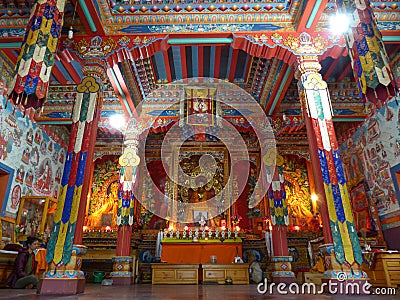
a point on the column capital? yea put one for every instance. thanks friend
(307, 63)
(96, 67)
(94, 53)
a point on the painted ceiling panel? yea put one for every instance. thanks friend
(259, 76)
(78, 67)
(160, 66)
(176, 63)
(64, 71)
(195, 60)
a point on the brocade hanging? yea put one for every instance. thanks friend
(367, 52)
(36, 58)
(277, 195)
(347, 246)
(61, 240)
(129, 162)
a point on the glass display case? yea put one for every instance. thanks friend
(7, 231)
(35, 215)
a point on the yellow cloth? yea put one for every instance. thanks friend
(319, 266)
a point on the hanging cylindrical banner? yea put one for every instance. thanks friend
(369, 59)
(36, 58)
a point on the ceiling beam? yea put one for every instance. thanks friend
(287, 79)
(281, 90)
(235, 55)
(10, 55)
(119, 92)
(392, 37)
(217, 61)
(58, 75)
(65, 58)
(275, 88)
(116, 78)
(311, 14)
(267, 90)
(201, 61)
(249, 60)
(183, 61)
(167, 65)
(88, 15)
(71, 71)
(340, 118)
(121, 82)
(316, 13)
(197, 41)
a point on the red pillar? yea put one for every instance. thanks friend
(124, 240)
(317, 174)
(86, 182)
(279, 240)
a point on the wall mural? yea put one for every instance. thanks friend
(37, 159)
(371, 153)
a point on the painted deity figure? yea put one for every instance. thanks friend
(107, 204)
(44, 180)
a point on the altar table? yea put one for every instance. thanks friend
(200, 252)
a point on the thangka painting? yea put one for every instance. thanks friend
(36, 158)
(200, 109)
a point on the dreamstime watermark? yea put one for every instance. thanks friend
(341, 285)
(186, 110)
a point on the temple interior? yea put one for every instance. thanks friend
(200, 142)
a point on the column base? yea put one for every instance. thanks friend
(282, 270)
(121, 274)
(349, 287)
(60, 286)
(122, 280)
(287, 277)
(351, 282)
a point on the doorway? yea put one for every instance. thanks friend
(6, 176)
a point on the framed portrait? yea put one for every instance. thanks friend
(199, 215)
(7, 232)
(31, 213)
(106, 220)
(200, 106)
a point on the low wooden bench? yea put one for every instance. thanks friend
(218, 273)
(163, 273)
(7, 259)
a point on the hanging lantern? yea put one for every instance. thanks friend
(36, 58)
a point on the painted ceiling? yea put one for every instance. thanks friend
(153, 42)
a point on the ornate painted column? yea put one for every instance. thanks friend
(129, 162)
(314, 95)
(317, 175)
(36, 58)
(369, 59)
(279, 219)
(63, 256)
